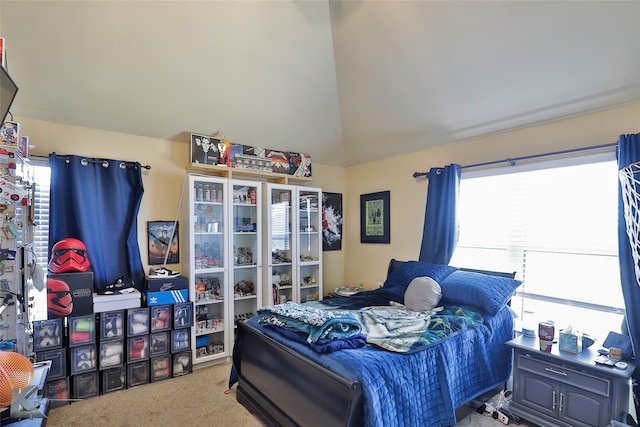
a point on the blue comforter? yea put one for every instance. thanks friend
(422, 388)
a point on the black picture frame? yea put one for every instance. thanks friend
(331, 221)
(158, 233)
(375, 217)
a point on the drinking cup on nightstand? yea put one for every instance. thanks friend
(545, 345)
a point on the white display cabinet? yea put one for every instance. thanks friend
(308, 244)
(293, 243)
(246, 248)
(206, 255)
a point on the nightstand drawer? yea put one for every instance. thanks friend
(591, 383)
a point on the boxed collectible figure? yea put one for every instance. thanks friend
(83, 359)
(10, 133)
(58, 360)
(69, 294)
(137, 321)
(102, 303)
(86, 385)
(180, 339)
(111, 325)
(82, 330)
(166, 297)
(161, 318)
(159, 343)
(114, 379)
(183, 315)
(58, 392)
(166, 283)
(48, 334)
(138, 373)
(111, 354)
(137, 348)
(160, 368)
(181, 363)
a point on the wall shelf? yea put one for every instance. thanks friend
(227, 172)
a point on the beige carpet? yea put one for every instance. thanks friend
(195, 399)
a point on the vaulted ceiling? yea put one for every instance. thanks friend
(345, 81)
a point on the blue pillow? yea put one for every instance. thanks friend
(406, 271)
(480, 291)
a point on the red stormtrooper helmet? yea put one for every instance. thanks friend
(59, 300)
(69, 255)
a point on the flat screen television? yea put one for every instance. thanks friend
(8, 90)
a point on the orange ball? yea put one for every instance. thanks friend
(16, 371)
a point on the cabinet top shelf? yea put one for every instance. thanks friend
(228, 172)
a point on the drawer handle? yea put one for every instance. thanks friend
(553, 371)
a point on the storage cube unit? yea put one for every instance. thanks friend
(160, 368)
(113, 379)
(85, 385)
(82, 330)
(58, 392)
(137, 373)
(58, 358)
(180, 339)
(181, 363)
(159, 343)
(161, 316)
(137, 321)
(183, 315)
(48, 334)
(111, 354)
(83, 358)
(112, 325)
(137, 348)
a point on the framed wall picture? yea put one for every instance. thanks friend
(331, 221)
(205, 149)
(159, 241)
(375, 216)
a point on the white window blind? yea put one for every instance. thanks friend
(42, 180)
(555, 225)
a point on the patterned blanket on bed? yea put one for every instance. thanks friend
(395, 328)
(314, 322)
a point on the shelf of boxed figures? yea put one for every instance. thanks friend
(210, 312)
(259, 175)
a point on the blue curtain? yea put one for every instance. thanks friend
(628, 153)
(440, 231)
(97, 201)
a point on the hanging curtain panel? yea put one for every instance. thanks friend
(97, 201)
(440, 230)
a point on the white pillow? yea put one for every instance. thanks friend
(422, 294)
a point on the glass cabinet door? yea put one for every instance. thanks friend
(206, 254)
(309, 244)
(246, 273)
(279, 244)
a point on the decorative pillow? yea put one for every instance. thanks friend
(481, 291)
(422, 294)
(396, 284)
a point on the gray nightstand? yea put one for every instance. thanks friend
(564, 389)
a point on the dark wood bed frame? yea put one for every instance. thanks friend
(301, 392)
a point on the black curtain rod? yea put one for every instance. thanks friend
(513, 161)
(148, 167)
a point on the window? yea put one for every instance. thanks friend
(555, 225)
(42, 179)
